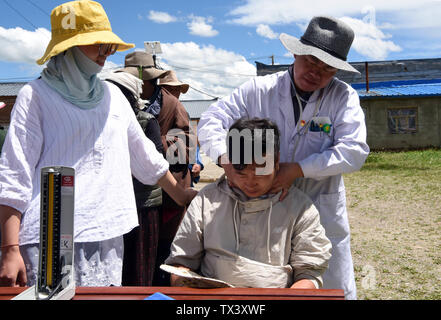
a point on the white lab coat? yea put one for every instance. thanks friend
(323, 157)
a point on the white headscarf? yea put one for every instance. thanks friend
(132, 83)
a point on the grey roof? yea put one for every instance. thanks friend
(196, 107)
(380, 71)
(392, 70)
(10, 88)
(264, 69)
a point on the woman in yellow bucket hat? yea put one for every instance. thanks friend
(79, 23)
(69, 117)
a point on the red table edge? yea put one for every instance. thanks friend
(252, 293)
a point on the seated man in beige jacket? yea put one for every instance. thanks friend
(245, 236)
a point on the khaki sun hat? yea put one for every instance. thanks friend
(326, 38)
(79, 23)
(172, 80)
(141, 61)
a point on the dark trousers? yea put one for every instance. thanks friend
(170, 220)
(140, 249)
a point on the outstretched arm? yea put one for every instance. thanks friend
(182, 196)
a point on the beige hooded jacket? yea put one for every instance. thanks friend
(223, 231)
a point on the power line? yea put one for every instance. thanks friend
(231, 62)
(19, 13)
(212, 71)
(196, 70)
(219, 64)
(203, 92)
(208, 73)
(39, 8)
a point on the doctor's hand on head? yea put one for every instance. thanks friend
(286, 175)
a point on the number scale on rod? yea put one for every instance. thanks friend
(55, 279)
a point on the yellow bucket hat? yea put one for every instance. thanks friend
(79, 23)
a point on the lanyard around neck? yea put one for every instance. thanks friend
(297, 129)
(317, 106)
(317, 103)
(299, 122)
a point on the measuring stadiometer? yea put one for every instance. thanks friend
(55, 278)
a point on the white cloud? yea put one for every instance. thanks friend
(161, 17)
(371, 21)
(200, 26)
(23, 46)
(369, 40)
(424, 19)
(207, 68)
(266, 32)
(255, 12)
(376, 49)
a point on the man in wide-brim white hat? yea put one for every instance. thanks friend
(322, 128)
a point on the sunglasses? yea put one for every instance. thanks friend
(107, 49)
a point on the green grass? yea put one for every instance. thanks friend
(424, 160)
(394, 205)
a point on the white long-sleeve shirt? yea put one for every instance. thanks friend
(104, 145)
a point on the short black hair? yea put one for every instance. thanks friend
(252, 133)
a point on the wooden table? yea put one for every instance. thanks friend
(180, 293)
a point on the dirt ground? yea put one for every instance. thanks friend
(395, 222)
(395, 238)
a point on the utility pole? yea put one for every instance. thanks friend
(366, 67)
(272, 60)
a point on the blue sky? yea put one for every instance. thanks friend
(212, 45)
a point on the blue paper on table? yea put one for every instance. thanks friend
(158, 296)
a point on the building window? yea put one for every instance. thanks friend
(402, 120)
